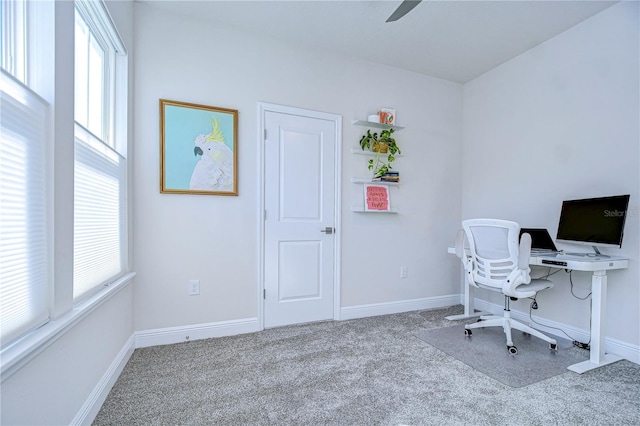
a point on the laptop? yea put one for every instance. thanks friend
(541, 242)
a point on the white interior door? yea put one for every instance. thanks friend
(300, 212)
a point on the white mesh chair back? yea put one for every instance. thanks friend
(493, 246)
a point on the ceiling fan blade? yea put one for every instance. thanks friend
(405, 7)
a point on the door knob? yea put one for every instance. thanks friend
(327, 230)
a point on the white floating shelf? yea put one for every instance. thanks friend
(374, 182)
(371, 153)
(373, 125)
(359, 209)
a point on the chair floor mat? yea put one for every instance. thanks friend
(486, 351)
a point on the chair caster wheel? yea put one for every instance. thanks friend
(467, 332)
(553, 346)
(512, 350)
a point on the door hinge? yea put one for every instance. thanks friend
(265, 214)
(265, 134)
(264, 293)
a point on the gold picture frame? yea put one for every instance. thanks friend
(198, 149)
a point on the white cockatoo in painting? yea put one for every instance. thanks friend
(214, 169)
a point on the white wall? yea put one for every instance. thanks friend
(54, 388)
(215, 239)
(566, 112)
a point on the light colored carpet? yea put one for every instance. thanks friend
(370, 371)
(486, 351)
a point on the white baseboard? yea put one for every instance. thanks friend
(375, 309)
(98, 395)
(612, 346)
(170, 335)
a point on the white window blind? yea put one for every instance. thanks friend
(98, 213)
(24, 284)
(99, 169)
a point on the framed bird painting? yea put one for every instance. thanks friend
(198, 149)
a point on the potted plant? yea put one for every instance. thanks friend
(379, 143)
(384, 143)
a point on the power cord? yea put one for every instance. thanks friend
(549, 273)
(577, 343)
(581, 345)
(534, 305)
(572, 293)
(548, 326)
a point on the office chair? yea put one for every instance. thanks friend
(497, 262)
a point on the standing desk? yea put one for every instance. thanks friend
(599, 267)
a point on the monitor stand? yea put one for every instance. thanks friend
(595, 254)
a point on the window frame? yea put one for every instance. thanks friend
(15, 39)
(102, 27)
(47, 50)
(98, 21)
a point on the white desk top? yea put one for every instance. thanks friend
(580, 263)
(577, 263)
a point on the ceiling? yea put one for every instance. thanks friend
(454, 40)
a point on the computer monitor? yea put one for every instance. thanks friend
(593, 221)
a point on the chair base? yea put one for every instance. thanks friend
(508, 323)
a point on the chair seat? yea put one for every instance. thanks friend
(534, 286)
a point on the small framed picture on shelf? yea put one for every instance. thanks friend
(387, 116)
(376, 198)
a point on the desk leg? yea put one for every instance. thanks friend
(469, 311)
(597, 357)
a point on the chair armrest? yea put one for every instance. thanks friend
(524, 251)
(467, 261)
(469, 267)
(516, 278)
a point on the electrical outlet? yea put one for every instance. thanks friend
(194, 287)
(403, 272)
